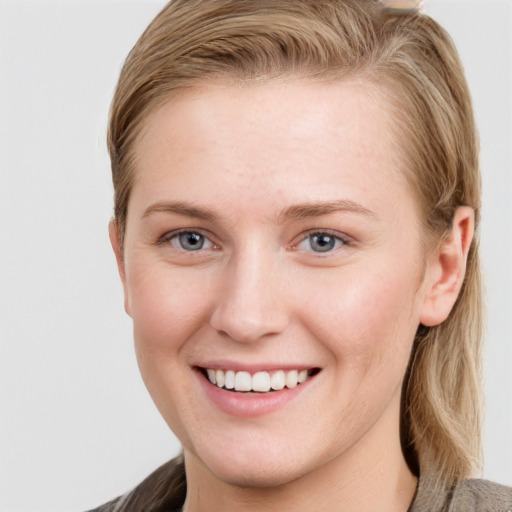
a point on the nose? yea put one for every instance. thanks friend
(251, 304)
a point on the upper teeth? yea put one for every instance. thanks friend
(259, 381)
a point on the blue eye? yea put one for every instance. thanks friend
(321, 242)
(190, 241)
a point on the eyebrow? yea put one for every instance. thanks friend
(179, 208)
(316, 209)
(294, 212)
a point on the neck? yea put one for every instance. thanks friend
(371, 475)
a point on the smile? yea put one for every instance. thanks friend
(259, 382)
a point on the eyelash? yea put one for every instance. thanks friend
(338, 238)
(174, 235)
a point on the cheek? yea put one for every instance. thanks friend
(167, 305)
(365, 317)
(168, 308)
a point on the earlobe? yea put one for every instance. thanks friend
(115, 241)
(446, 269)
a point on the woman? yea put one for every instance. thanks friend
(296, 198)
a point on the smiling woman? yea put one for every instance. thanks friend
(297, 191)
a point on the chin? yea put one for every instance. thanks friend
(264, 467)
(252, 475)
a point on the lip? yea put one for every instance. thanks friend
(249, 405)
(251, 368)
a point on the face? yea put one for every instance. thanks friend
(272, 240)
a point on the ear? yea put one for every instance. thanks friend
(446, 269)
(115, 241)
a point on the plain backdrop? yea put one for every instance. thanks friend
(77, 426)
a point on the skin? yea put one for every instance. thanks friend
(258, 293)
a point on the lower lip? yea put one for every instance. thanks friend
(249, 405)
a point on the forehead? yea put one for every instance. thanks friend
(288, 138)
(308, 102)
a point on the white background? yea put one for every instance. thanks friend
(77, 426)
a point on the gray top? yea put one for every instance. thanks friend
(468, 496)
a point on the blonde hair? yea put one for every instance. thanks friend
(414, 59)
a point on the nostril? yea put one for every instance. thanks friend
(247, 330)
(248, 308)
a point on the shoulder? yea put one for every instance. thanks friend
(466, 496)
(163, 490)
(481, 496)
